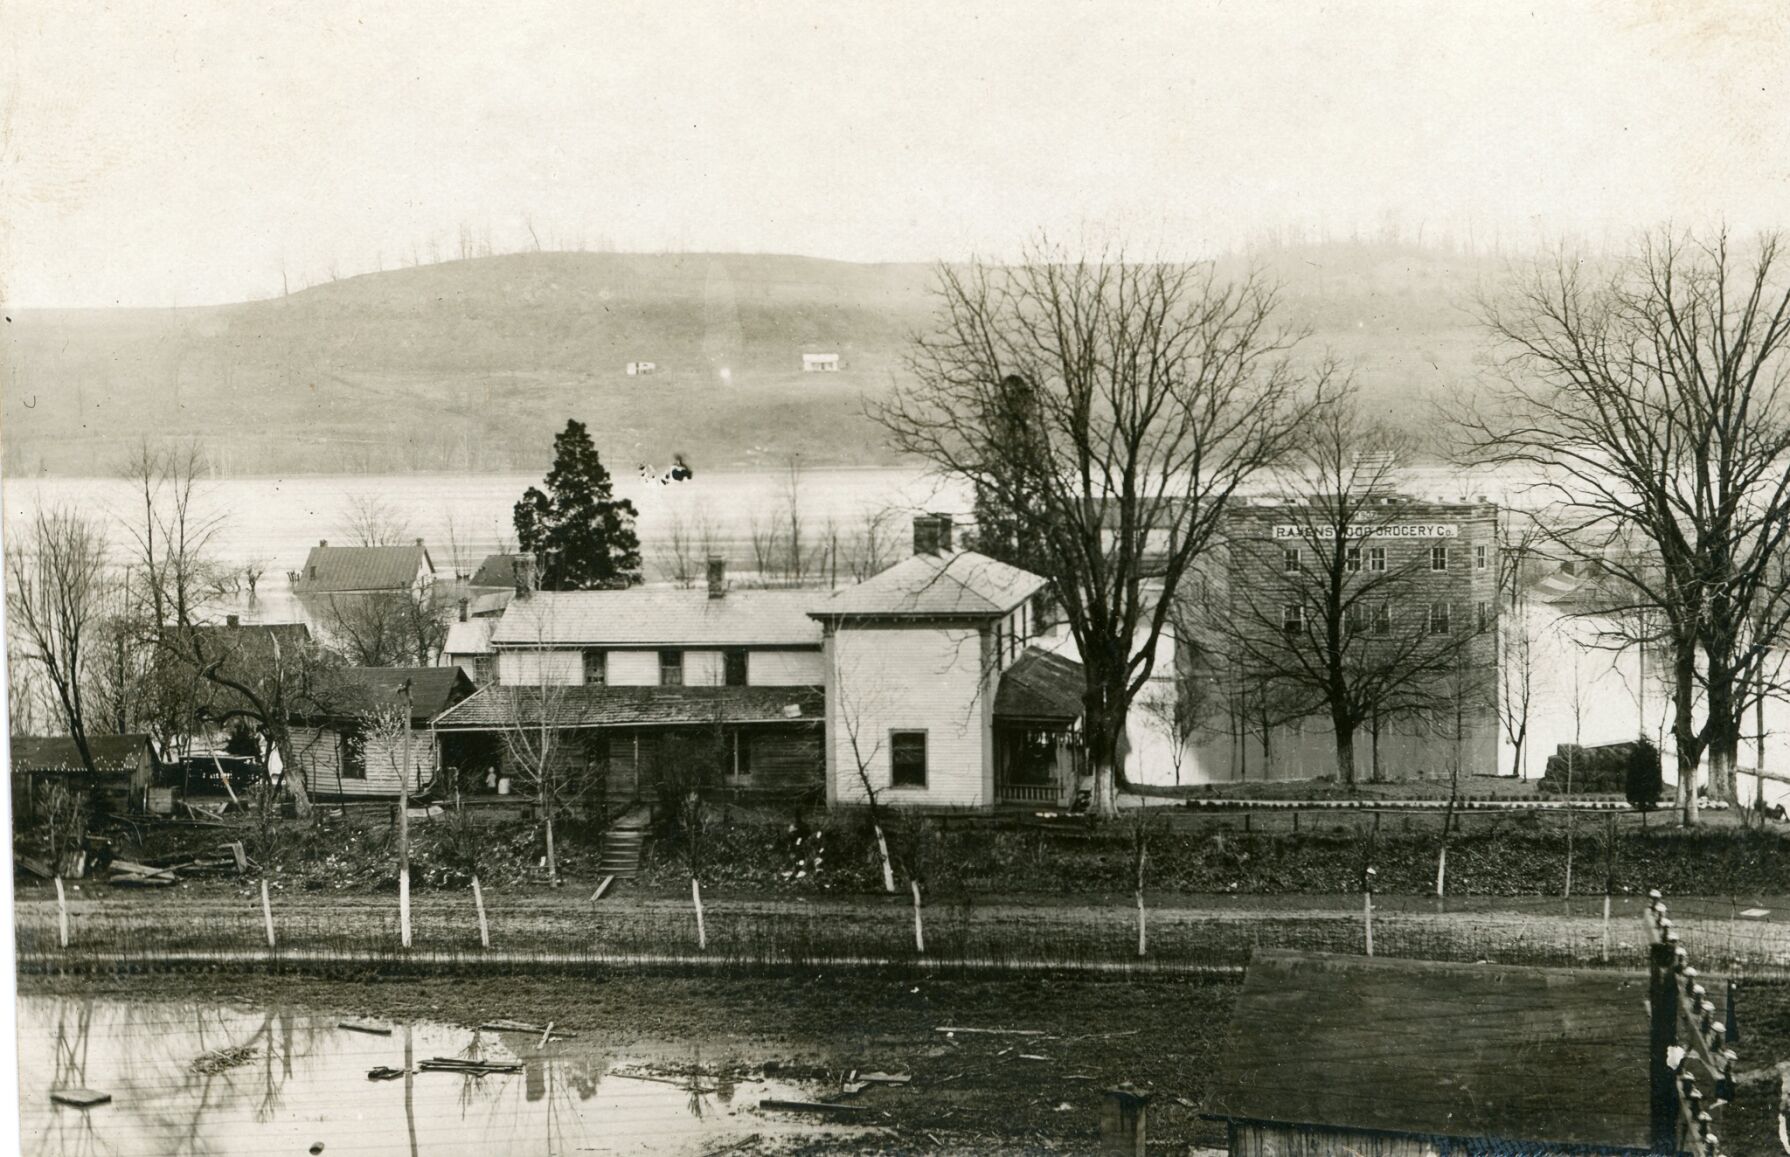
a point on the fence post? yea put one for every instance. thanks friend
(702, 936)
(1122, 1120)
(919, 931)
(267, 912)
(478, 900)
(61, 913)
(1662, 1000)
(1367, 908)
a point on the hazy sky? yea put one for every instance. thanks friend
(159, 153)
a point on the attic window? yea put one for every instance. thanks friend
(671, 668)
(907, 759)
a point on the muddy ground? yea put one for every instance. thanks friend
(971, 1093)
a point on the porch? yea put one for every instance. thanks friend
(1039, 757)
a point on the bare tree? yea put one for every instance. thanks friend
(1516, 636)
(56, 601)
(1649, 402)
(857, 697)
(386, 628)
(689, 543)
(540, 713)
(368, 520)
(1325, 620)
(1113, 407)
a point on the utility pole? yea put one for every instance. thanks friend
(404, 827)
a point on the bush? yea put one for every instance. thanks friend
(1642, 782)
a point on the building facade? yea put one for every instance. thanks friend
(1410, 603)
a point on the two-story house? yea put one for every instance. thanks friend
(935, 697)
(616, 682)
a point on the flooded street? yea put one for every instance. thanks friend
(189, 1078)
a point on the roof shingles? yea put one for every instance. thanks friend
(503, 706)
(650, 617)
(347, 569)
(960, 585)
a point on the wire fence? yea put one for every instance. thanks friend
(527, 931)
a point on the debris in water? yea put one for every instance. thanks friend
(470, 1068)
(217, 1060)
(885, 1078)
(366, 1026)
(948, 1029)
(811, 1106)
(317, 1147)
(385, 1073)
(79, 1098)
(524, 1026)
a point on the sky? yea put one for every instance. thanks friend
(154, 153)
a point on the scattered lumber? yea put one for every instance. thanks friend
(885, 1078)
(366, 1026)
(385, 1073)
(35, 866)
(531, 1029)
(129, 881)
(951, 1028)
(241, 857)
(79, 1098)
(602, 888)
(470, 1068)
(811, 1106)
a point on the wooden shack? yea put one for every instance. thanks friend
(1370, 1057)
(124, 767)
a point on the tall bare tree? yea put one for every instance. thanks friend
(369, 520)
(1326, 622)
(56, 602)
(1649, 404)
(1113, 407)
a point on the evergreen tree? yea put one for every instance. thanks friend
(582, 535)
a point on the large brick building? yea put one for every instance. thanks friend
(1415, 586)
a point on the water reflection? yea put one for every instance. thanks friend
(199, 1079)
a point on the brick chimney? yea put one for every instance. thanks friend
(323, 542)
(465, 607)
(524, 567)
(717, 577)
(932, 534)
(233, 620)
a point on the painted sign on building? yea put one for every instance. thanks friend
(1390, 530)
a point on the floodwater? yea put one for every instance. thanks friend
(302, 1080)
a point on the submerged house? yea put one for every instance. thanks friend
(620, 685)
(1414, 1058)
(936, 697)
(348, 735)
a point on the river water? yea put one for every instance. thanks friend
(302, 1080)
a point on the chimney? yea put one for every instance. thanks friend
(717, 577)
(233, 620)
(932, 534)
(525, 574)
(465, 607)
(419, 541)
(323, 542)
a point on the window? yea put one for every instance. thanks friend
(1292, 618)
(1383, 619)
(671, 668)
(351, 752)
(734, 664)
(1000, 645)
(1438, 558)
(1355, 618)
(484, 668)
(1479, 558)
(1353, 559)
(1290, 559)
(1485, 616)
(1438, 618)
(596, 668)
(907, 758)
(1376, 558)
(739, 762)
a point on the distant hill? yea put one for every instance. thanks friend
(473, 365)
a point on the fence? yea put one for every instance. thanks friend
(1686, 1036)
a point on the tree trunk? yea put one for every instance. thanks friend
(1684, 733)
(292, 776)
(1345, 748)
(552, 859)
(882, 851)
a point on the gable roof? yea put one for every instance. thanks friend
(963, 584)
(473, 637)
(580, 706)
(1041, 685)
(111, 753)
(247, 647)
(341, 569)
(354, 690)
(643, 617)
(498, 570)
(1535, 1055)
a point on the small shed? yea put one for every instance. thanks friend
(820, 363)
(336, 743)
(1332, 1054)
(124, 767)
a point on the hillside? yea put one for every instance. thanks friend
(472, 365)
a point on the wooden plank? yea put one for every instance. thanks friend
(811, 1106)
(602, 888)
(79, 1098)
(366, 1026)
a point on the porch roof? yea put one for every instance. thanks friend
(1041, 687)
(498, 706)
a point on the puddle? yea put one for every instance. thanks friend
(201, 1079)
